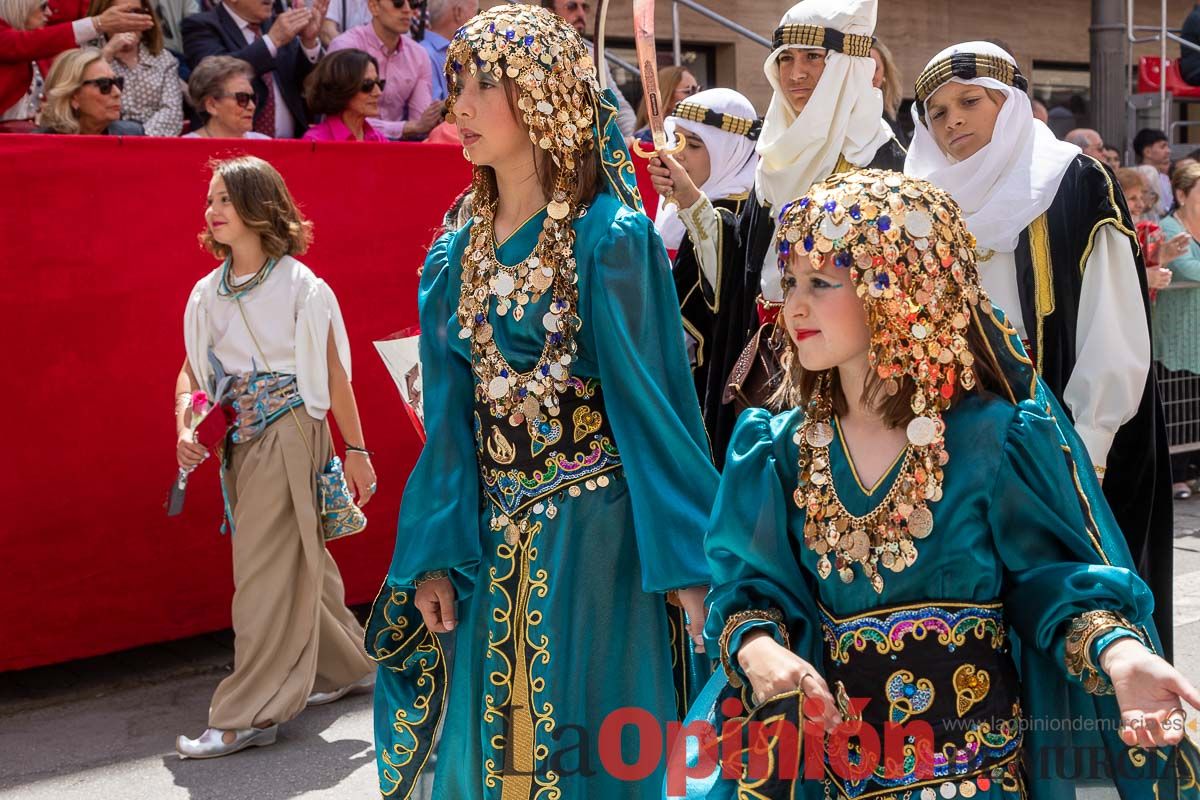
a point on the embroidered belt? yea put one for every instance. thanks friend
(946, 665)
(257, 399)
(522, 465)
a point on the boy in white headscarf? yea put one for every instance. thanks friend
(824, 117)
(721, 128)
(1059, 253)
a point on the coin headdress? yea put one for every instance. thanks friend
(567, 116)
(905, 248)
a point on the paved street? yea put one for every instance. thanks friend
(103, 729)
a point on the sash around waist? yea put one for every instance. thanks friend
(521, 464)
(942, 671)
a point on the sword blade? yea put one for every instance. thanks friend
(647, 54)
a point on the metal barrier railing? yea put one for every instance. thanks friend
(1161, 33)
(1179, 391)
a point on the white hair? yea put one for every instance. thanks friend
(437, 8)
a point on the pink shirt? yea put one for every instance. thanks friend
(332, 129)
(407, 71)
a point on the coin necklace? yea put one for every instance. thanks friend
(521, 397)
(883, 538)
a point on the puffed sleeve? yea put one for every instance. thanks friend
(755, 574)
(651, 402)
(197, 338)
(439, 513)
(317, 313)
(1045, 531)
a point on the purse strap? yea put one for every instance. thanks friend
(291, 409)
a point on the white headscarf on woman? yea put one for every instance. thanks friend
(844, 116)
(731, 156)
(1010, 181)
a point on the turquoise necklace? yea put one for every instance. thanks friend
(225, 289)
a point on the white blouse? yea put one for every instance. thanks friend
(1112, 339)
(290, 314)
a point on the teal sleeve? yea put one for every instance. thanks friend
(439, 514)
(749, 546)
(1187, 266)
(1045, 533)
(651, 402)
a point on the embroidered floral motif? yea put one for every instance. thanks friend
(888, 634)
(971, 685)
(907, 696)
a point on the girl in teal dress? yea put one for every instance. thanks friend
(565, 483)
(914, 565)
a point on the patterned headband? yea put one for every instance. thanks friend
(967, 66)
(851, 44)
(694, 112)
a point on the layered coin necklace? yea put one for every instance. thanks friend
(521, 397)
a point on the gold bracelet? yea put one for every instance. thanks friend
(738, 620)
(1081, 634)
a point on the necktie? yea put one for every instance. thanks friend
(264, 118)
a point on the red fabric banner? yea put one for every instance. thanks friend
(100, 251)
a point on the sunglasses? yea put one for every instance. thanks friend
(369, 85)
(105, 85)
(415, 5)
(243, 99)
(575, 5)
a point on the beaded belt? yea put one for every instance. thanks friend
(257, 399)
(944, 673)
(522, 466)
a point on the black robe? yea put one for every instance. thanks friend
(700, 304)
(1137, 482)
(737, 319)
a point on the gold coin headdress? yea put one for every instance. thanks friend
(904, 245)
(549, 64)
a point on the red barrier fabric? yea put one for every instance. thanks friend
(99, 242)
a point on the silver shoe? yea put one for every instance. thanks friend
(211, 743)
(322, 698)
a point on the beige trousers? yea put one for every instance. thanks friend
(292, 631)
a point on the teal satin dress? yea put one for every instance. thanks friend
(968, 637)
(560, 632)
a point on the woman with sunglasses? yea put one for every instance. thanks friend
(84, 96)
(345, 87)
(220, 90)
(28, 44)
(153, 95)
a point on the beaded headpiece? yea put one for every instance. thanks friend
(550, 65)
(968, 66)
(905, 248)
(730, 123)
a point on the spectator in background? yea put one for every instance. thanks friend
(1088, 141)
(282, 50)
(888, 80)
(346, 14)
(1189, 59)
(1140, 194)
(83, 96)
(28, 44)
(1140, 199)
(1177, 312)
(407, 109)
(219, 88)
(1112, 157)
(445, 17)
(346, 88)
(1039, 111)
(675, 85)
(1152, 148)
(575, 12)
(171, 14)
(152, 94)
